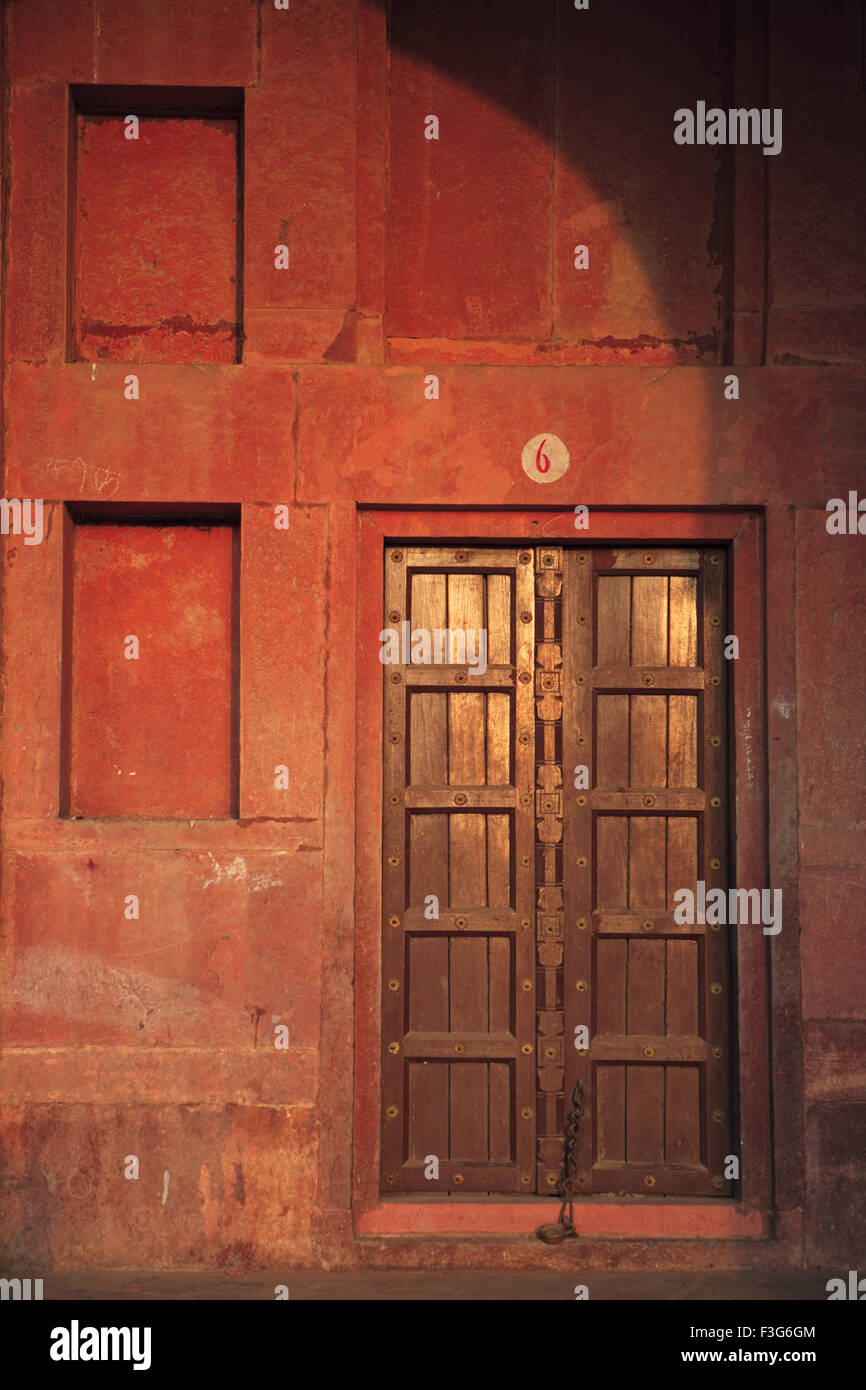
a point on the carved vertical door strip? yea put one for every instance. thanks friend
(578, 851)
(549, 917)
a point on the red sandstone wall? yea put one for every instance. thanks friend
(154, 1035)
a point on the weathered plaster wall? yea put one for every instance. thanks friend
(408, 257)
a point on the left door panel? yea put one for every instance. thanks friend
(458, 1038)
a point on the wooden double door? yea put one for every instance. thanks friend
(542, 807)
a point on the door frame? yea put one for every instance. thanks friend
(742, 530)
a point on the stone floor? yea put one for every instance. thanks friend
(423, 1286)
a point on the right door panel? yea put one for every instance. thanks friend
(645, 772)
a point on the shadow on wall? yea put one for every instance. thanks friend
(554, 130)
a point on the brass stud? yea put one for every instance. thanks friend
(550, 929)
(526, 1178)
(396, 738)
(649, 559)
(525, 799)
(391, 1179)
(581, 739)
(396, 677)
(548, 561)
(582, 618)
(393, 985)
(649, 1052)
(582, 1180)
(524, 737)
(649, 800)
(459, 1048)
(715, 680)
(525, 861)
(394, 861)
(526, 1114)
(717, 1053)
(581, 680)
(525, 923)
(394, 800)
(649, 1181)
(580, 800)
(459, 798)
(551, 1179)
(715, 926)
(392, 1112)
(718, 1117)
(550, 1053)
(648, 678)
(461, 923)
(716, 988)
(648, 924)
(581, 559)
(526, 1049)
(581, 862)
(581, 924)
(715, 560)
(393, 921)
(526, 617)
(524, 557)
(715, 620)
(526, 984)
(581, 985)
(394, 616)
(715, 740)
(461, 556)
(715, 801)
(461, 678)
(548, 805)
(396, 556)
(458, 1178)
(393, 1048)
(715, 864)
(525, 677)
(718, 1181)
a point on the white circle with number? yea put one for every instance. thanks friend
(545, 458)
